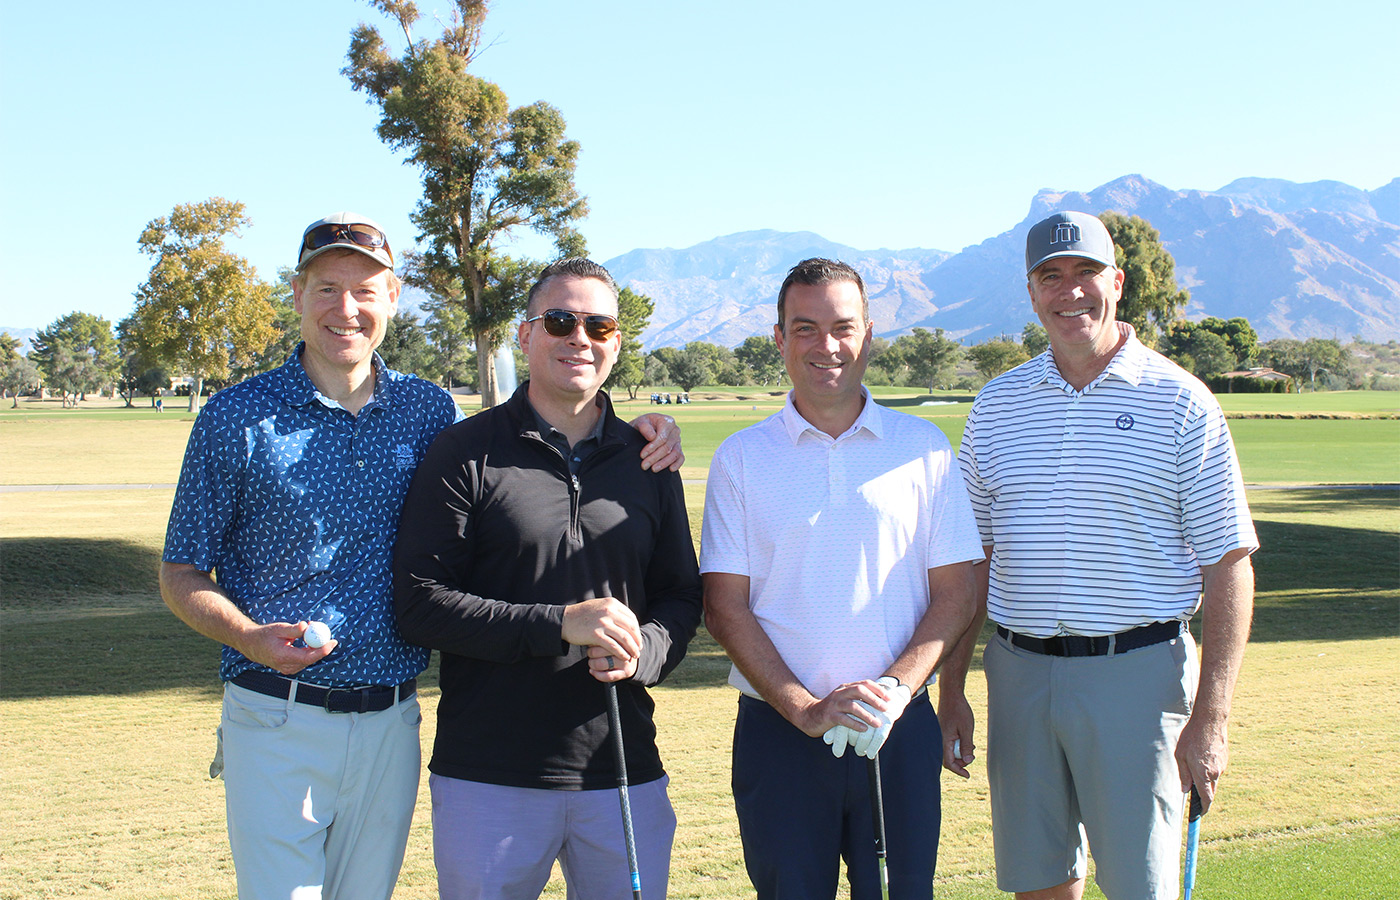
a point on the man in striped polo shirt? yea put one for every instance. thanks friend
(1111, 508)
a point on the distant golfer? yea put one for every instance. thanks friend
(837, 554)
(543, 563)
(1111, 507)
(291, 490)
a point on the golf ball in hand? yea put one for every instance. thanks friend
(317, 633)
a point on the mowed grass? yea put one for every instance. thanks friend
(108, 705)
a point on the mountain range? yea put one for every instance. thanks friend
(1297, 260)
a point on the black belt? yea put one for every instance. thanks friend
(1099, 645)
(338, 700)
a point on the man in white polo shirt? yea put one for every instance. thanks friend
(837, 557)
(1111, 508)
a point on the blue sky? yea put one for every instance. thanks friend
(886, 124)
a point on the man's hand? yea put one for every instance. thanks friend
(608, 668)
(1202, 754)
(663, 450)
(272, 646)
(605, 623)
(897, 697)
(844, 714)
(955, 717)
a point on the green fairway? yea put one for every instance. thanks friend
(108, 703)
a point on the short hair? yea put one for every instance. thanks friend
(818, 271)
(570, 267)
(298, 279)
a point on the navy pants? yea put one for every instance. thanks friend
(801, 810)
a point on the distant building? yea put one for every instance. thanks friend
(1257, 380)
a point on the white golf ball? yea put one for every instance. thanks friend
(317, 633)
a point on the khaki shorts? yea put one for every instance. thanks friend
(1081, 750)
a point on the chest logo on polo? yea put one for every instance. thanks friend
(403, 457)
(1124, 422)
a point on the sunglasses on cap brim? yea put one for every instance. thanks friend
(359, 234)
(562, 322)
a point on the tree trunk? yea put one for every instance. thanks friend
(196, 390)
(486, 370)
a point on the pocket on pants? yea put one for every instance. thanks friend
(249, 709)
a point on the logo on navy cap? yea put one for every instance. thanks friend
(1066, 233)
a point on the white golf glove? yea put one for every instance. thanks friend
(867, 743)
(839, 736)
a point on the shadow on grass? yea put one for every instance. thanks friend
(51, 572)
(1320, 582)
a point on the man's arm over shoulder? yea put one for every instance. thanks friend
(435, 554)
(673, 595)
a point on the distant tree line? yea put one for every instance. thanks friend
(203, 314)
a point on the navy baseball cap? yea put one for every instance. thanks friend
(346, 231)
(1068, 234)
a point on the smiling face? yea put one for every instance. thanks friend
(825, 342)
(346, 301)
(569, 370)
(1077, 301)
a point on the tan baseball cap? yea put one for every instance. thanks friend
(348, 231)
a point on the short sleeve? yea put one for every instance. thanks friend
(723, 535)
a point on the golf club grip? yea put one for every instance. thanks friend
(1193, 841)
(877, 804)
(615, 726)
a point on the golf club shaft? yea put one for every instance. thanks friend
(1193, 840)
(877, 815)
(615, 726)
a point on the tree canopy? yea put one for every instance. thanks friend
(1239, 334)
(202, 311)
(1304, 360)
(487, 169)
(759, 355)
(405, 347)
(930, 356)
(77, 354)
(1151, 298)
(1198, 350)
(1000, 354)
(18, 374)
(633, 315)
(1034, 339)
(691, 366)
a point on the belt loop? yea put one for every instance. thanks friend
(292, 691)
(1112, 645)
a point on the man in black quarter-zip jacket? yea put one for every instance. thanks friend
(544, 563)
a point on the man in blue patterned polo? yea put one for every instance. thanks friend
(291, 490)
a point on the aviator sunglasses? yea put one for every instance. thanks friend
(561, 323)
(356, 233)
